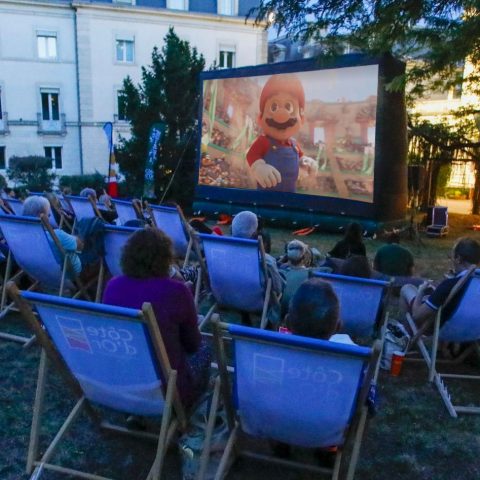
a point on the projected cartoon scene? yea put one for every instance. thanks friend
(310, 133)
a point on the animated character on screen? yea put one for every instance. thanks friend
(275, 157)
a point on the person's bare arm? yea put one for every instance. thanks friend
(421, 311)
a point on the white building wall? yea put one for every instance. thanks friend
(23, 74)
(95, 27)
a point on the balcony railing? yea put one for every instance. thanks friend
(52, 127)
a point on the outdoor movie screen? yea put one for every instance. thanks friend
(307, 132)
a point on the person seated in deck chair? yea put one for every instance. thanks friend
(35, 206)
(423, 302)
(394, 260)
(106, 208)
(146, 259)
(315, 312)
(245, 225)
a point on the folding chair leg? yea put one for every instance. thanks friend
(228, 455)
(101, 274)
(166, 430)
(208, 316)
(37, 412)
(8, 270)
(263, 321)
(72, 416)
(187, 254)
(336, 466)
(208, 436)
(442, 389)
(357, 442)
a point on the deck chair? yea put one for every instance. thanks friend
(126, 210)
(463, 325)
(439, 225)
(237, 275)
(362, 303)
(171, 221)
(82, 207)
(29, 246)
(301, 391)
(114, 239)
(15, 205)
(128, 372)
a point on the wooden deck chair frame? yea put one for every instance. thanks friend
(65, 268)
(174, 415)
(95, 210)
(124, 203)
(353, 436)
(380, 319)
(269, 296)
(430, 355)
(15, 205)
(104, 265)
(186, 227)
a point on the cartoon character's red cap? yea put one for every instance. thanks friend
(282, 84)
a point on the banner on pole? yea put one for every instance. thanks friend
(112, 185)
(156, 132)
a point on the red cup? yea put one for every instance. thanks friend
(397, 361)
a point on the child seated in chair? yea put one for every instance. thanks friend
(315, 312)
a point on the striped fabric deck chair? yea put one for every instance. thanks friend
(362, 303)
(126, 210)
(462, 326)
(171, 221)
(28, 243)
(82, 207)
(237, 275)
(129, 371)
(301, 391)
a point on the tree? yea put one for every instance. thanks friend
(439, 40)
(168, 93)
(31, 172)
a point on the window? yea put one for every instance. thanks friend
(50, 108)
(47, 45)
(124, 49)
(227, 7)
(177, 4)
(55, 153)
(122, 107)
(226, 57)
(2, 158)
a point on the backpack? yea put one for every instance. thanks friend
(91, 232)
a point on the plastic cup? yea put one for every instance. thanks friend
(397, 362)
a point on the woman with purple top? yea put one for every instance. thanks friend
(146, 260)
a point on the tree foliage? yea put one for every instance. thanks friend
(31, 172)
(168, 93)
(436, 36)
(438, 39)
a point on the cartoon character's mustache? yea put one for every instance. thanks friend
(281, 126)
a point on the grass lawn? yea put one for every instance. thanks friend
(411, 437)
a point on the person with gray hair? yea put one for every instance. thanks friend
(245, 225)
(35, 206)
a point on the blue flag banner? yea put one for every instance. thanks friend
(156, 132)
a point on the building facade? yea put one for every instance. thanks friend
(62, 65)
